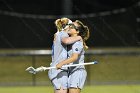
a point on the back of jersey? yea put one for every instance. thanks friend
(59, 50)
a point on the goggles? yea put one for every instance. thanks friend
(73, 27)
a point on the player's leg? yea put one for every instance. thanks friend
(60, 82)
(74, 90)
(61, 90)
(76, 80)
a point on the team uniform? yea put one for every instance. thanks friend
(77, 75)
(59, 77)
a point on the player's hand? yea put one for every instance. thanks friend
(59, 66)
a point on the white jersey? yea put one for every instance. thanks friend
(59, 50)
(77, 47)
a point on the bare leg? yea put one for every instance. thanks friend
(74, 90)
(61, 91)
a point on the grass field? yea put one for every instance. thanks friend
(113, 70)
(87, 89)
(110, 69)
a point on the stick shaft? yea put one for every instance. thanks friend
(73, 65)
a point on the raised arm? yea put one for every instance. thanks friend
(71, 40)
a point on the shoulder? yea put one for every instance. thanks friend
(78, 43)
(77, 47)
(63, 34)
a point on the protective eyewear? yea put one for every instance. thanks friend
(73, 27)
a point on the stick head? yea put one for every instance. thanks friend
(95, 62)
(31, 70)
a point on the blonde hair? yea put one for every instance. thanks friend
(61, 23)
(83, 32)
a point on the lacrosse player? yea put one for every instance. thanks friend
(77, 75)
(59, 78)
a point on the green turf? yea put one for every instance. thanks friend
(111, 68)
(87, 89)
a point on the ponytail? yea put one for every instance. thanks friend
(83, 32)
(62, 23)
(86, 36)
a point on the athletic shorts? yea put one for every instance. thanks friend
(77, 78)
(59, 78)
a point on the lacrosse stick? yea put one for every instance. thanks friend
(42, 68)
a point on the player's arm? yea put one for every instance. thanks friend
(76, 49)
(71, 40)
(73, 58)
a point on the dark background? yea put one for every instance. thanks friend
(30, 23)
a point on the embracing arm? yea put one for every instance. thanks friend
(73, 58)
(70, 40)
